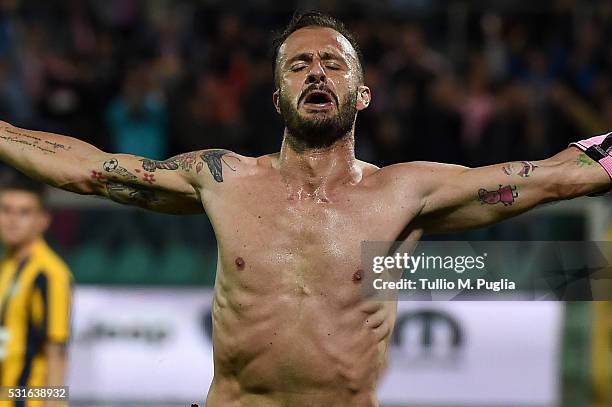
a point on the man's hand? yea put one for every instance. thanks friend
(55, 354)
(459, 198)
(169, 186)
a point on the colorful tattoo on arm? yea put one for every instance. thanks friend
(505, 195)
(583, 160)
(121, 185)
(148, 178)
(522, 169)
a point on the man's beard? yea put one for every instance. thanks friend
(308, 133)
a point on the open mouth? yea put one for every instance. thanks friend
(318, 100)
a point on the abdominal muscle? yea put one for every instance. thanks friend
(297, 346)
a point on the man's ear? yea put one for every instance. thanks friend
(364, 97)
(275, 100)
(45, 221)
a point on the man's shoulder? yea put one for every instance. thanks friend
(50, 261)
(414, 176)
(412, 169)
(221, 165)
(248, 166)
(238, 165)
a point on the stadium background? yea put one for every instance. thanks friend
(465, 82)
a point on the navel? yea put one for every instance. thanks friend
(239, 263)
(357, 276)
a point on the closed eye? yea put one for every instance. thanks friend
(297, 68)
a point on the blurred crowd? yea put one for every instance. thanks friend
(466, 82)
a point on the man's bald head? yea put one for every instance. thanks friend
(314, 19)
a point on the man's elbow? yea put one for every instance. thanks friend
(571, 187)
(559, 182)
(561, 190)
(81, 185)
(82, 179)
(56, 362)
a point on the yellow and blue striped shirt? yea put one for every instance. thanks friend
(35, 301)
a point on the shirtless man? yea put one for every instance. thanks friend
(291, 327)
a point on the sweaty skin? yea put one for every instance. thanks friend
(291, 327)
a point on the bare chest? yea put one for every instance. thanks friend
(265, 233)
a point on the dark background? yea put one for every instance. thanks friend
(466, 82)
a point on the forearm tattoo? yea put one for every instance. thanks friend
(130, 194)
(522, 169)
(13, 135)
(214, 159)
(112, 166)
(127, 187)
(583, 160)
(183, 161)
(122, 185)
(505, 195)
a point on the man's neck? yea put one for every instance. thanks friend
(20, 251)
(312, 172)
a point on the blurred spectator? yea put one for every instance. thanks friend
(137, 118)
(488, 82)
(478, 104)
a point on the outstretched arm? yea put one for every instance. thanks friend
(458, 198)
(169, 186)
